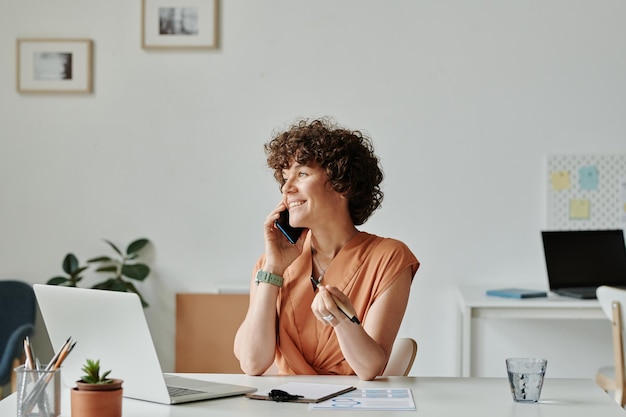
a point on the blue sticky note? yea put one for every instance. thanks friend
(588, 178)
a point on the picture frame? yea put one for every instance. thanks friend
(54, 66)
(176, 24)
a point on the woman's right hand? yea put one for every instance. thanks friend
(279, 252)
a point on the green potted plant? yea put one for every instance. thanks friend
(124, 265)
(95, 394)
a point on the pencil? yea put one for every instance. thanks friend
(39, 386)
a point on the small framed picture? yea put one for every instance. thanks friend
(188, 24)
(54, 65)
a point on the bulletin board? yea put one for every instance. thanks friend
(586, 192)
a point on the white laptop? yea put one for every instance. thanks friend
(111, 326)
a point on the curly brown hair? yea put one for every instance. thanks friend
(346, 156)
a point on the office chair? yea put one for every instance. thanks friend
(611, 378)
(17, 320)
(401, 358)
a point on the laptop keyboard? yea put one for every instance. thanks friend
(586, 293)
(178, 391)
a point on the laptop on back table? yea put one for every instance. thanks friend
(579, 261)
(111, 326)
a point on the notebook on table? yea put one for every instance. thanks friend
(579, 261)
(111, 326)
(516, 293)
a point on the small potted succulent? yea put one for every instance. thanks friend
(95, 394)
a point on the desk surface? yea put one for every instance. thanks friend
(475, 297)
(434, 397)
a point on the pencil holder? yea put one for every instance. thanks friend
(38, 392)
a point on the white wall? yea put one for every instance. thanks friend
(463, 101)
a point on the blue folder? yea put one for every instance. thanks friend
(517, 293)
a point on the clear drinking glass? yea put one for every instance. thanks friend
(526, 378)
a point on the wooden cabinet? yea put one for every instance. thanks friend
(205, 330)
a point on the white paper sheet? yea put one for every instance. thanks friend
(370, 399)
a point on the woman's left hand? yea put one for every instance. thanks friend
(325, 308)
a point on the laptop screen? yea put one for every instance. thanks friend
(584, 258)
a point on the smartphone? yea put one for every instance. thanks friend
(291, 233)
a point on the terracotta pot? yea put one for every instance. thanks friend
(91, 400)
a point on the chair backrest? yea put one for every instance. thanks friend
(17, 320)
(401, 358)
(613, 303)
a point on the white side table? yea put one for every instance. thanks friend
(475, 304)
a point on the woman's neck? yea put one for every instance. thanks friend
(327, 244)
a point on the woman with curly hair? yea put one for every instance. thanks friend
(333, 301)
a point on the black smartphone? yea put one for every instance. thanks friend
(291, 233)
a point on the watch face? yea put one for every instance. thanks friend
(261, 276)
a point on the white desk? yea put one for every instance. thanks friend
(475, 304)
(434, 397)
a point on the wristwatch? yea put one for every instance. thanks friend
(263, 276)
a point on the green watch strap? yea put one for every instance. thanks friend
(268, 277)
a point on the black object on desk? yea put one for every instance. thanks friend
(301, 392)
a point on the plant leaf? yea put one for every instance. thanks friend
(105, 285)
(57, 281)
(79, 270)
(107, 268)
(114, 247)
(136, 271)
(116, 285)
(70, 263)
(100, 259)
(136, 246)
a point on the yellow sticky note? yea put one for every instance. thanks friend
(560, 180)
(579, 209)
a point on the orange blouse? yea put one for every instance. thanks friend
(363, 269)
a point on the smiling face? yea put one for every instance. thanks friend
(311, 200)
(346, 156)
